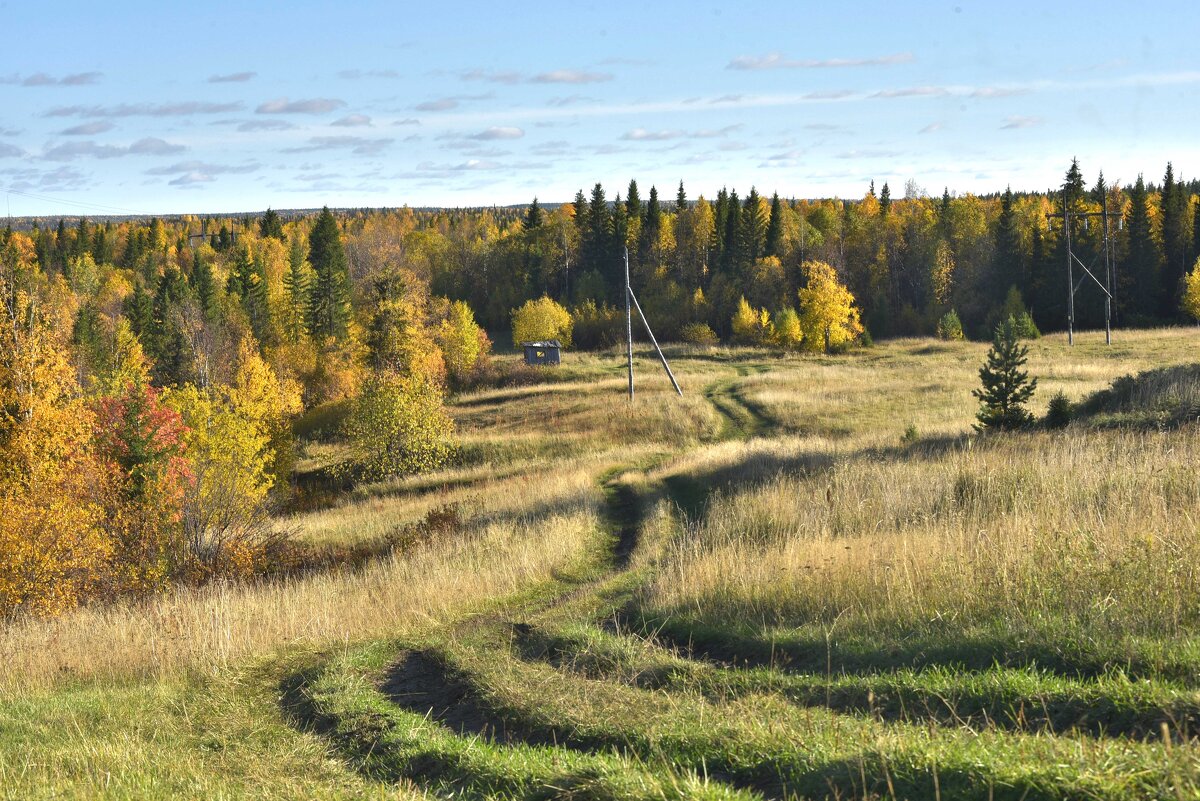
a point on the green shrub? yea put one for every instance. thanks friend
(950, 327)
(1060, 411)
(699, 334)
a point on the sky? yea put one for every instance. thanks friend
(165, 108)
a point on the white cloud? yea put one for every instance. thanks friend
(233, 77)
(1015, 122)
(317, 105)
(772, 61)
(88, 129)
(353, 121)
(499, 132)
(571, 76)
(181, 109)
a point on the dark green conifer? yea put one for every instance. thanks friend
(1006, 387)
(329, 295)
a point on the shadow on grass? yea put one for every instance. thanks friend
(911, 697)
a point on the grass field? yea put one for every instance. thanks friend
(806, 578)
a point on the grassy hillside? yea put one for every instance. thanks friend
(806, 578)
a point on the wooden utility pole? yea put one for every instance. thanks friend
(630, 297)
(628, 325)
(1072, 260)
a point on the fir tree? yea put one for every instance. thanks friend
(774, 227)
(680, 198)
(295, 285)
(1006, 264)
(1073, 191)
(633, 202)
(753, 231)
(651, 227)
(595, 234)
(202, 282)
(1173, 205)
(581, 208)
(271, 225)
(329, 295)
(733, 232)
(1140, 270)
(885, 200)
(1006, 387)
(533, 216)
(139, 309)
(256, 301)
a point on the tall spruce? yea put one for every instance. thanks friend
(329, 294)
(733, 232)
(1006, 387)
(1173, 208)
(1073, 190)
(680, 198)
(1006, 264)
(885, 200)
(651, 228)
(533, 216)
(1139, 274)
(202, 282)
(296, 290)
(752, 233)
(774, 227)
(633, 201)
(271, 225)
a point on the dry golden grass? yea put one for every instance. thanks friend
(1098, 528)
(877, 393)
(205, 630)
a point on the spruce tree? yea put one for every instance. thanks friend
(595, 234)
(885, 200)
(202, 282)
(295, 285)
(680, 198)
(1006, 387)
(633, 202)
(329, 295)
(1073, 186)
(1173, 205)
(1140, 270)
(753, 232)
(651, 228)
(1006, 264)
(774, 227)
(533, 216)
(271, 225)
(733, 232)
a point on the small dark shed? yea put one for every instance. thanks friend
(542, 352)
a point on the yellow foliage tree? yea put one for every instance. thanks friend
(238, 446)
(398, 426)
(462, 341)
(1191, 293)
(787, 330)
(750, 326)
(828, 316)
(539, 320)
(53, 553)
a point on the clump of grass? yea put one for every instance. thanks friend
(1164, 396)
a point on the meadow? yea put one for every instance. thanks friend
(806, 578)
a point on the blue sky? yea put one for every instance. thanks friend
(169, 108)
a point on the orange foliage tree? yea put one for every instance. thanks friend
(53, 553)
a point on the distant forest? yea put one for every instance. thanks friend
(908, 259)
